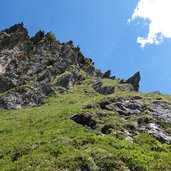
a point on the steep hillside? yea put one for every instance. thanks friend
(58, 112)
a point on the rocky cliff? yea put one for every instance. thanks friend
(32, 69)
(71, 95)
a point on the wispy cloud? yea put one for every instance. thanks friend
(158, 12)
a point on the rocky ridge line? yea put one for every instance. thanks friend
(32, 69)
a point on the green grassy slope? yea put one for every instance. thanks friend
(45, 138)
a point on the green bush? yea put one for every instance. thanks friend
(51, 36)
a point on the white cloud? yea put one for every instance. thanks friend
(158, 12)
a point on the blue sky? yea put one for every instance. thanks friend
(100, 28)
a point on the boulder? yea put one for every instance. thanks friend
(105, 90)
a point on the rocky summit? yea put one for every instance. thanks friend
(58, 112)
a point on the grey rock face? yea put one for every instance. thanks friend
(36, 62)
(105, 90)
(124, 106)
(19, 99)
(158, 133)
(26, 96)
(161, 111)
(68, 79)
(130, 106)
(134, 81)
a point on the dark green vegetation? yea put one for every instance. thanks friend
(45, 138)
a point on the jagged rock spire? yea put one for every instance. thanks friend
(134, 80)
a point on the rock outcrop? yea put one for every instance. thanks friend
(37, 62)
(102, 89)
(107, 74)
(134, 81)
(158, 133)
(124, 106)
(136, 115)
(41, 63)
(161, 111)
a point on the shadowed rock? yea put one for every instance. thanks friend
(84, 120)
(134, 81)
(107, 129)
(39, 35)
(105, 90)
(107, 74)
